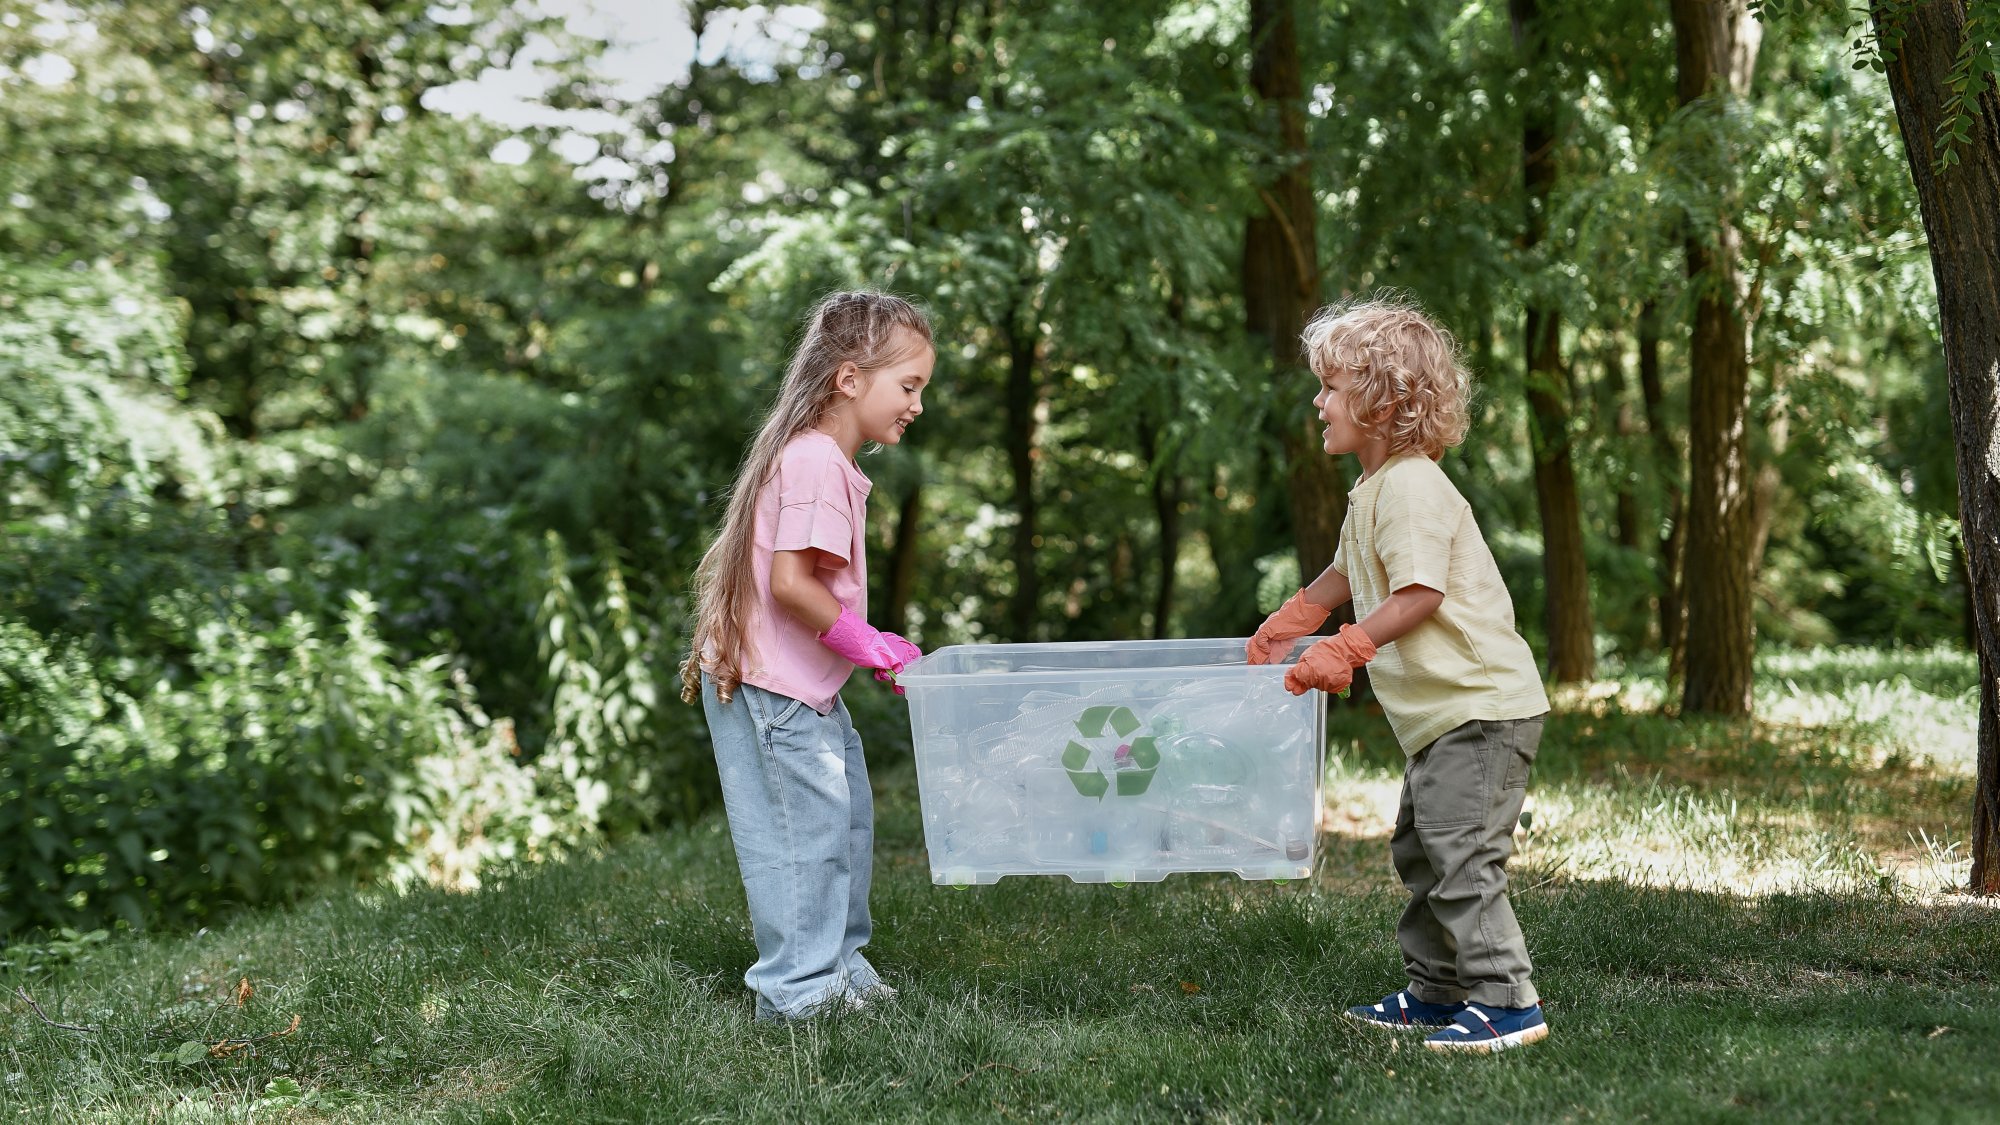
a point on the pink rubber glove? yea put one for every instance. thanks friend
(1330, 664)
(868, 647)
(1296, 618)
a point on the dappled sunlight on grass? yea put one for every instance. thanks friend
(1843, 782)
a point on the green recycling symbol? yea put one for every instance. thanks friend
(1134, 762)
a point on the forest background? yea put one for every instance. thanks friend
(370, 372)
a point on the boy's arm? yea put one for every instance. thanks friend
(1331, 589)
(1330, 664)
(1301, 614)
(1401, 612)
(796, 587)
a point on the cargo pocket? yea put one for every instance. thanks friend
(1525, 741)
(1450, 783)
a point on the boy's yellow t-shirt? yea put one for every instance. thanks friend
(1407, 525)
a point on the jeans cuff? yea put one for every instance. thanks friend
(771, 1013)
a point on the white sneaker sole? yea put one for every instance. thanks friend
(1511, 1040)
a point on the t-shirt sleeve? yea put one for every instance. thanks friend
(813, 509)
(1416, 520)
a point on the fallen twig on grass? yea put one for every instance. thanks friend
(228, 1047)
(968, 1075)
(23, 994)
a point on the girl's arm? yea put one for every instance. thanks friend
(1331, 590)
(1400, 612)
(796, 587)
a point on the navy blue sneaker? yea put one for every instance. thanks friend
(1401, 1009)
(1491, 1029)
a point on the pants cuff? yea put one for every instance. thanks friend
(771, 1013)
(1521, 995)
(1432, 994)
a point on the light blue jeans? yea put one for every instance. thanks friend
(803, 822)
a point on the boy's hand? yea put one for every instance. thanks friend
(1296, 618)
(1330, 664)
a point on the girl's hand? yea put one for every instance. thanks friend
(904, 652)
(1298, 617)
(867, 647)
(1330, 664)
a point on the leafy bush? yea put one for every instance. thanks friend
(293, 755)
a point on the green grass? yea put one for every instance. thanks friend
(1727, 922)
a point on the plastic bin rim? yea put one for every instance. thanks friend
(915, 676)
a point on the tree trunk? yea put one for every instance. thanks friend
(1764, 494)
(1281, 286)
(1666, 463)
(1716, 49)
(903, 559)
(1023, 348)
(1565, 574)
(1631, 521)
(1961, 208)
(1168, 490)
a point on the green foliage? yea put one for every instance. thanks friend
(332, 448)
(286, 756)
(90, 375)
(65, 947)
(617, 739)
(1975, 69)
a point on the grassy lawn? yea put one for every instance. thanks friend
(1729, 923)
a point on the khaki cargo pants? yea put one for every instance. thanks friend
(1454, 832)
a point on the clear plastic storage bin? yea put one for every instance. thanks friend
(1113, 761)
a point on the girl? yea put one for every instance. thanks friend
(781, 612)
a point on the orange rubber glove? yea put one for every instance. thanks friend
(1330, 664)
(1296, 618)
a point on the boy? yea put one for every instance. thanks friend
(1458, 684)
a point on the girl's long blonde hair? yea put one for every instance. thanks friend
(857, 327)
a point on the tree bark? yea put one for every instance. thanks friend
(1716, 49)
(903, 559)
(1961, 209)
(1281, 282)
(1023, 352)
(1168, 491)
(1666, 463)
(1764, 493)
(1565, 574)
(1625, 422)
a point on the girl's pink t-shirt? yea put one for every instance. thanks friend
(816, 498)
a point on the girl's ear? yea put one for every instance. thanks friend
(847, 379)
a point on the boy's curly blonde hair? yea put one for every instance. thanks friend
(1396, 358)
